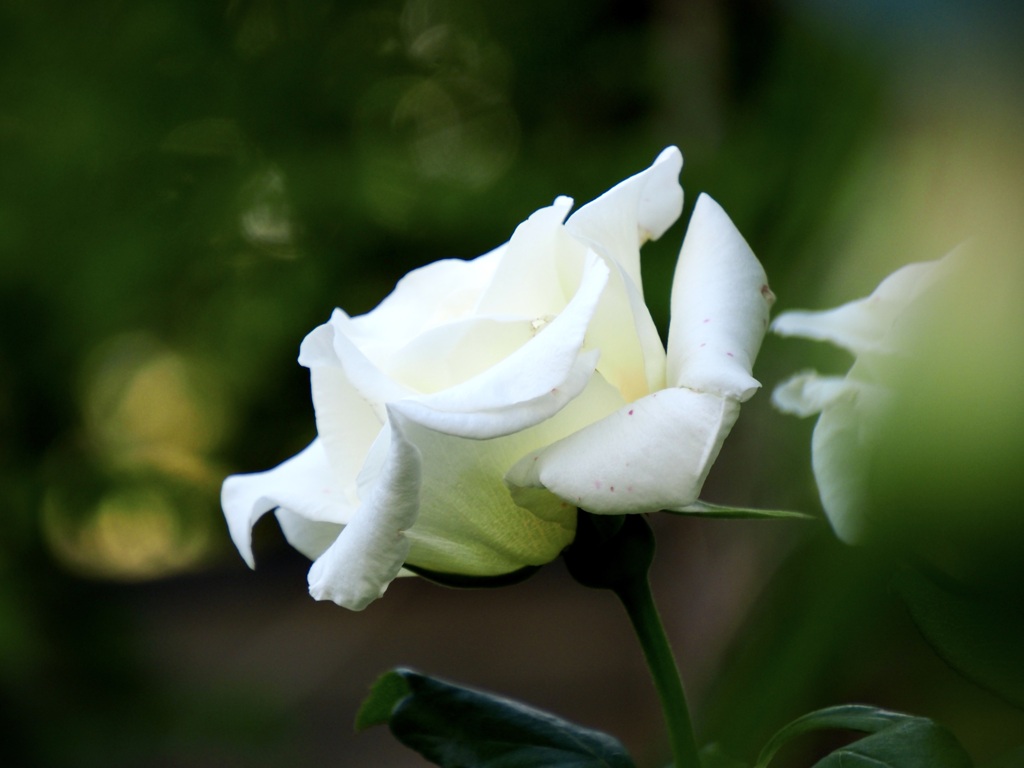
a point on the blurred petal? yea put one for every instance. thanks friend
(651, 454)
(839, 458)
(720, 306)
(808, 393)
(368, 554)
(304, 484)
(860, 326)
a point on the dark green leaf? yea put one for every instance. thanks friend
(707, 509)
(854, 717)
(915, 743)
(896, 740)
(389, 689)
(979, 636)
(462, 581)
(456, 727)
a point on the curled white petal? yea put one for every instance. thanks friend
(304, 484)
(638, 209)
(720, 305)
(654, 453)
(862, 325)
(529, 385)
(369, 553)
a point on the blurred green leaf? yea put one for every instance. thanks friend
(456, 727)
(896, 740)
(706, 509)
(979, 636)
(914, 743)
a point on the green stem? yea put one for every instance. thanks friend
(643, 613)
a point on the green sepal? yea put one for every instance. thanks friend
(979, 635)
(895, 741)
(463, 581)
(610, 551)
(456, 727)
(707, 509)
(385, 693)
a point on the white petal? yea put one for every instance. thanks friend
(839, 458)
(638, 209)
(860, 326)
(529, 385)
(368, 554)
(720, 305)
(304, 484)
(329, 345)
(310, 537)
(808, 393)
(651, 454)
(428, 296)
(632, 355)
(539, 269)
(346, 424)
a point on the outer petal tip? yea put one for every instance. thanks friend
(720, 307)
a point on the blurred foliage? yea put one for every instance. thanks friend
(189, 187)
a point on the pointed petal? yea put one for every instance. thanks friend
(651, 454)
(720, 305)
(638, 209)
(368, 554)
(539, 268)
(303, 484)
(808, 393)
(860, 326)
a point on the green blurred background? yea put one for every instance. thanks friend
(189, 187)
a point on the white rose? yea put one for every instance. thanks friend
(462, 421)
(855, 409)
(920, 442)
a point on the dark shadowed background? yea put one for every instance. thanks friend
(187, 188)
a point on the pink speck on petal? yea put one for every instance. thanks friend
(707, 319)
(597, 484)
(730, 354)
(703, 343)
(611, 488)
(630, 411)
